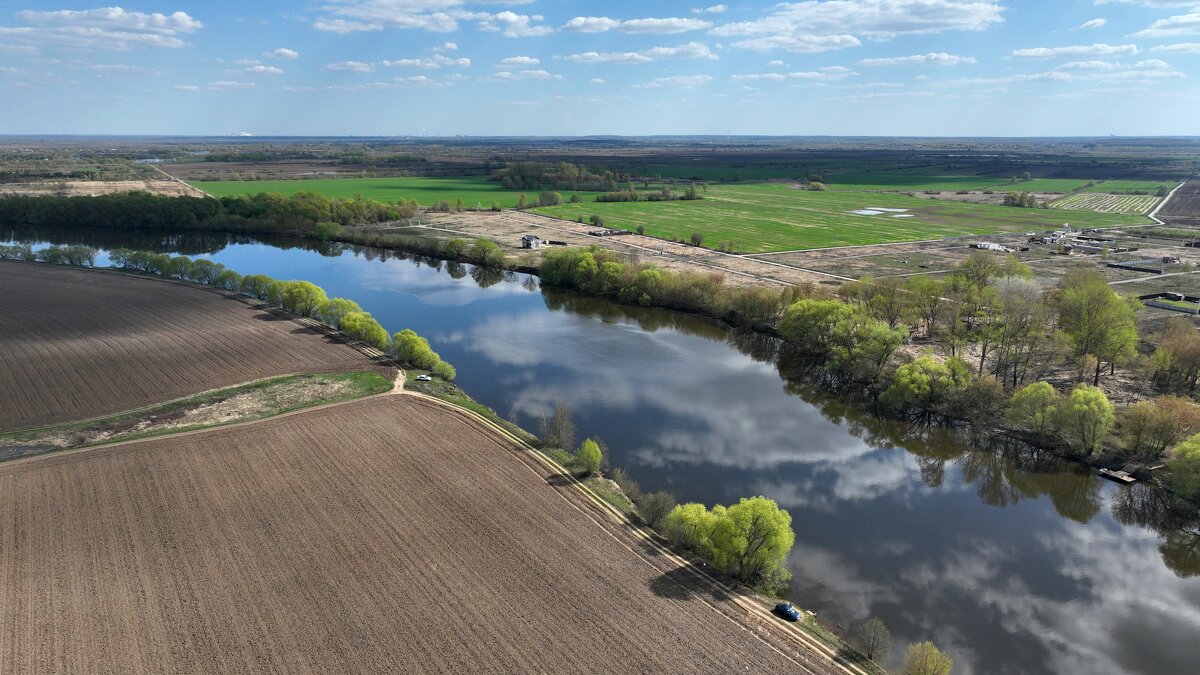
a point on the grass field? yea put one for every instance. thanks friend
(766, 217)
(1107, 203)
(1126, 186)
(477, 191)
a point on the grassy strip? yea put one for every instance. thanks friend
(272, 390)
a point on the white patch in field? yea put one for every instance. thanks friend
(880, 208)
(868, 212)
(903, 215)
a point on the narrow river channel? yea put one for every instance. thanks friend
(1011, 560)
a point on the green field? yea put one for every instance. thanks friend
(475, 191)
(774, 217)
(1127, 186)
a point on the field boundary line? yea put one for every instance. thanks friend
(182, 181)
(740, 599)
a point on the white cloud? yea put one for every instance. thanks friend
(343, 27)
(1075, 50)
(420, 81)
(431, 63)
(690, 50)
(932, 58)
(683, 81)
(777, 64)
(282, 53)
(1183, 24)
(111, 28)
(447, 47)
(260, 69)
(714, 9)
(1093, 23)
(824, 74)
(597, 80)
(590, 24)
(823, 25)
(350, 67)
(1181, 48)
(510, 24)
(518, 61)
(229, 85)
(1161, 4)
(186, 87)
(535, 74)
(666, 26)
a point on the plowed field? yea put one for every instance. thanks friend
(1184, 207)
(76, 344)
(387, 534)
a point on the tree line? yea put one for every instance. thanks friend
(301, 298)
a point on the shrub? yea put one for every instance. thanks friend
(588, 457)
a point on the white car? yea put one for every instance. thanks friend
(424, 378)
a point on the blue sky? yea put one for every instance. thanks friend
(551, 67)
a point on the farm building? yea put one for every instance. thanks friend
(531, 241)
(989, 246)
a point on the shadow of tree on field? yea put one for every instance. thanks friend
(684, 584)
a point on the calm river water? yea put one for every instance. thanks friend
(1011, 560)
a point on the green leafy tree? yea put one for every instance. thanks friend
(362, 327)
(1034, 408)
(1088, 416)
(229, 280)
(753, 539)
(257, 286)
(589, 457)
(809, 324)
(303, 298)
(1098, 321)
(691, 526)
(927, 387)
(926, 659)
(655, 507)
(455, 248)
(1184, 467)
(333, 309)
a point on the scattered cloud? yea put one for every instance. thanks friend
(517, 61)
(344, 27)
(510, 76)
(1181, 48)
(690, 50)
(714, 9)
(823, 25)
(1075, 50)
(282, 53)
(230, 85)
(833, 73)
(597, 80)
(108, 28)
(668, 26)
(932, 58)
(1093, 23)
(446, 47)
(186, 87)
(512, 25)
(1183, 24)
(260, 69)
(682, 81)
(590, 24)
(350, 67)
(430, 63)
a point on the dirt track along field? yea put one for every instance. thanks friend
(76, 344)
(384, 534)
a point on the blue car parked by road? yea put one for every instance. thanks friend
(787, 611)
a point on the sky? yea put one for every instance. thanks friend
(567, 67)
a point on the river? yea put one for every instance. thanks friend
(1012, 560)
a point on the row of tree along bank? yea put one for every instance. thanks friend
(301, 298)
(989, 331)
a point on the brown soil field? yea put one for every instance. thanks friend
(92, 188)
(385, 534)
(1183, 208)
(77, 344)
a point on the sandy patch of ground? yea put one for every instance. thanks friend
(91, 188)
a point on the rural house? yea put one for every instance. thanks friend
(531, 241)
